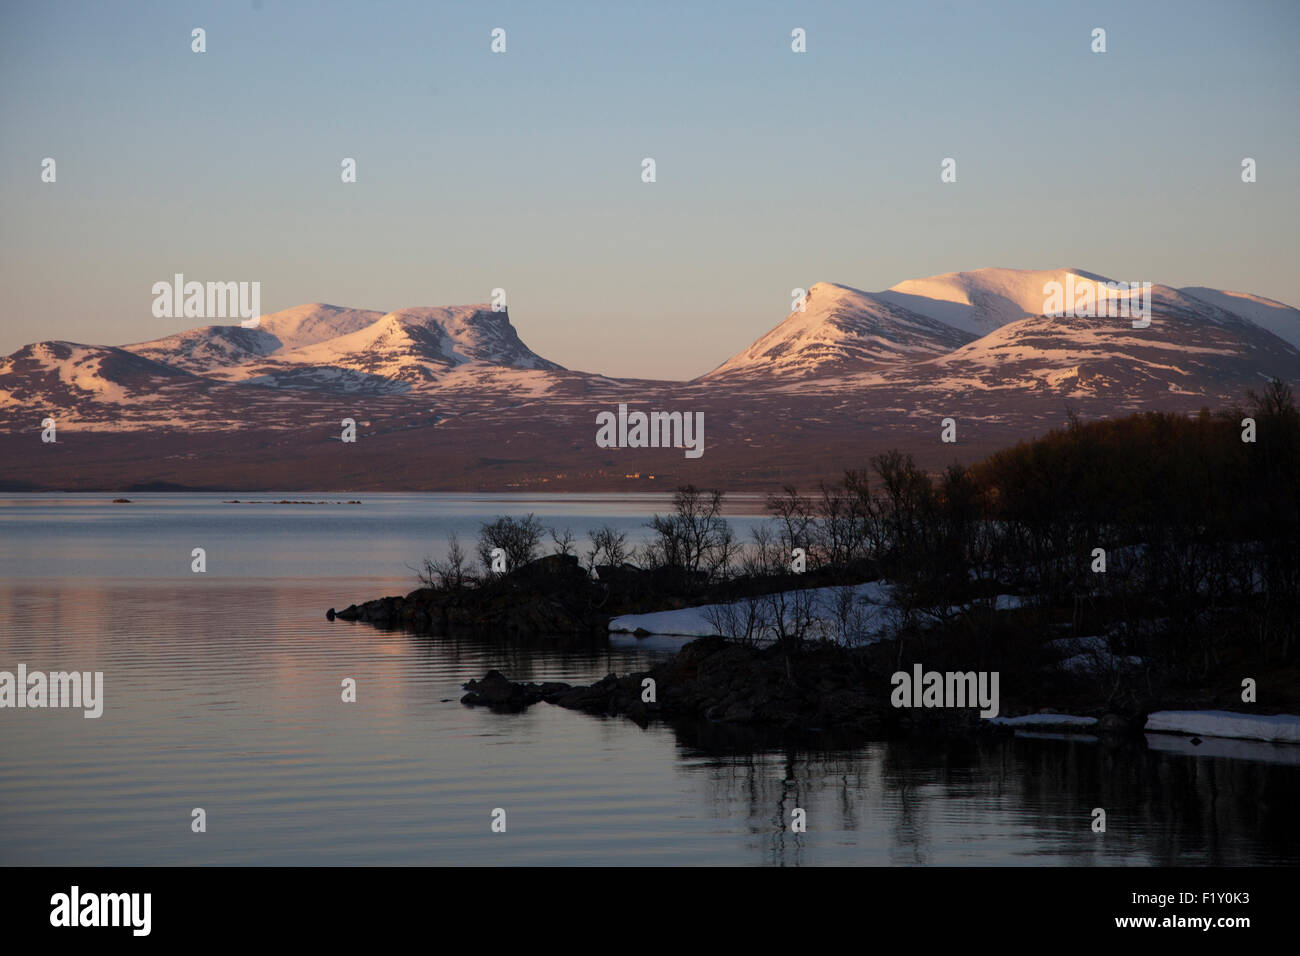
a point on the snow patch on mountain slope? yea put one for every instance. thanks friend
(314, 322)
(209, 347)
(841, 327)
(1280, 319)
(82, 370)
(979, 302)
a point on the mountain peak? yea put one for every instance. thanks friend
(315, 322)
(358, 348)
(841, 329)
(991, 324)
(984, 299)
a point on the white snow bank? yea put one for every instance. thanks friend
(872, 617)
(687, 622)
(1280, 728)
(1044, 721)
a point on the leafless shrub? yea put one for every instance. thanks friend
(450, 574)
(608, 546)
(518, 538)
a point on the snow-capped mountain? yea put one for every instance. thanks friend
(979, 302)
(987, 330)
(1190, 348)
(326, 346)
(839, 330)
(418, 346)
(986, 299)
(979, 337)
(209, 347)
(1282, 320)
(227, 376)
(315, 322)
(93, 385)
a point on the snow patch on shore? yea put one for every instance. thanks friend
(876, 617)
(687, 622)
(873, 616)
(1279, 728)
(1044, 721)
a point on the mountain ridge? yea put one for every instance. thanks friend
(919, 340)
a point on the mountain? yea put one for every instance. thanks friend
(452, 399)
(979, 302)
(315, 322)
(839, 330)
(230, 377)
(418, 346)
(1191, 348)
(326, 346)
(1282, 320)
(89, 384)
(986, 331)
(208, 348)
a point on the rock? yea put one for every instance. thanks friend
(549, 596)
(716, 681)
(498, 692)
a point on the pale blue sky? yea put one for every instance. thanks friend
(522, 170)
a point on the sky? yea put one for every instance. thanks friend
(523, 170)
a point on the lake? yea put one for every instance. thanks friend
(222, 691)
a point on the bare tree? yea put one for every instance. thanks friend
(608, 547)
(850, 622)
(563, 540)
(518, 538)
(744, 621)
(695, 538)
(794, 520)
(449, 574)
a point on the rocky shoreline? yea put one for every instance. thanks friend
(551, 596)
(844, 690)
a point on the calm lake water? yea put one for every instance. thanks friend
(222, 691)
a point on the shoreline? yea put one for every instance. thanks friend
(816, 686)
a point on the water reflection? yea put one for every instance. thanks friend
(224, 692)
(925, 801)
